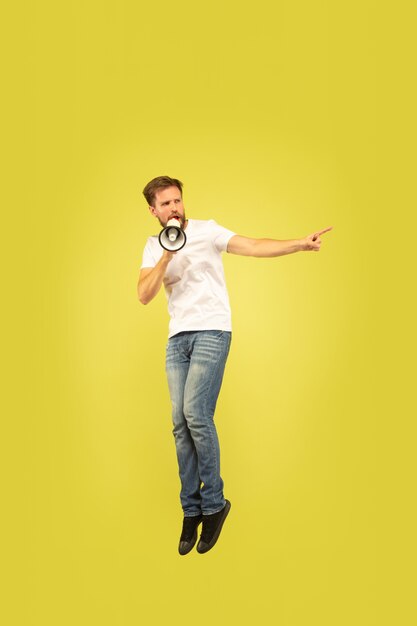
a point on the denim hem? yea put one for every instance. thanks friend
(216, 511)
(192, 514)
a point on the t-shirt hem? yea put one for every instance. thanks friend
(196, 327)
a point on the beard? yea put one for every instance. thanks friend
(181, 219)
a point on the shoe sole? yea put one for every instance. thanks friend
(219, 528)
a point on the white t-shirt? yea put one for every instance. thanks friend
(194, 282)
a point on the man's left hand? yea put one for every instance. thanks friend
(313, 242)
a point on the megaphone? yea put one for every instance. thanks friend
(172, 237)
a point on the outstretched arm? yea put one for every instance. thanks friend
(247, 246)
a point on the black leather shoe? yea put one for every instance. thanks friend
(189, 533)
(212, 525)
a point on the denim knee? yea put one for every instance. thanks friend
(180, 430)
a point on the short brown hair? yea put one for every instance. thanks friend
(161, 182)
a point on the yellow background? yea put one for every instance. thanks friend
(281, 118)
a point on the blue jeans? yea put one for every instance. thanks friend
(195, 362)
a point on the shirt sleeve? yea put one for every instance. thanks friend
(148, 259)
(221, 236)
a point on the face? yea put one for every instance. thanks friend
(168, 204)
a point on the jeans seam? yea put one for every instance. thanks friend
(212, 418)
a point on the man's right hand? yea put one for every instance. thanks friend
(168, 255)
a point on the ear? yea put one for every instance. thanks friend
(152, 210)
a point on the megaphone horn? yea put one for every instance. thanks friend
(172, 237)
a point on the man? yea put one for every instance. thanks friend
(198, 345)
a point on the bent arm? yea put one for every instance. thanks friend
(151, 278)
(247, 246)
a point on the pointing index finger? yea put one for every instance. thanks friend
(320, 232)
